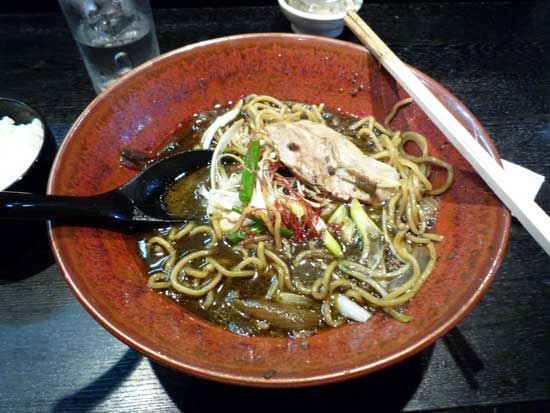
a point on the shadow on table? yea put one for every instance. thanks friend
(89, 397)
(386, 391)
(465, 357)
(25, 250)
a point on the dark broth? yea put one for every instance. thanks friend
(182, 199)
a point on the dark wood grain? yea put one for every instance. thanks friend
(34, 6)
(494, 56)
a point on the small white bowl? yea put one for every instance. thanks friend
(329, 25)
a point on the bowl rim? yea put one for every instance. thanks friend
(38, 115)
(243, 379)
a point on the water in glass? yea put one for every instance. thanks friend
(114, 41)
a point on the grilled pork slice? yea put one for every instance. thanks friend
(330, 161)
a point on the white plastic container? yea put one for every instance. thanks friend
(320, 24)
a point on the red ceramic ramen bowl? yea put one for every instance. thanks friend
(144, 108)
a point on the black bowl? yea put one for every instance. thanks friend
(28, 249)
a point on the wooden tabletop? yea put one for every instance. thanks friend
(494, 56)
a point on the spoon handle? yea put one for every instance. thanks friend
(86, 209)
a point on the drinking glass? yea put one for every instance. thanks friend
(113, 36)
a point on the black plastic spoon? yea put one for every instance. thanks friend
(136, 202)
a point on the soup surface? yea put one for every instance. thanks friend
(304, 220)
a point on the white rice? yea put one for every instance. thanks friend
(19, 146)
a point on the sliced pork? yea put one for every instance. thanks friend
(330, 161)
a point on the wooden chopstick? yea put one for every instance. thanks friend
(531, 215)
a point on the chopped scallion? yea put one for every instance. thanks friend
(285, 232)
(250, 166)
(235, 237)
(331, 244)
(340, 216)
